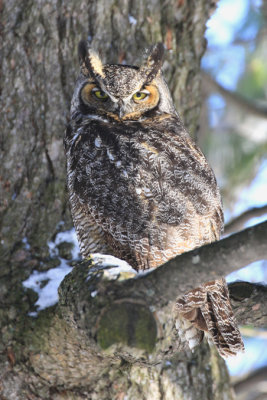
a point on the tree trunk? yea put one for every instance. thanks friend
(67, 352)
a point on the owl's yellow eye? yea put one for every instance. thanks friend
(91, 92)
(140, 95)
(100, 94)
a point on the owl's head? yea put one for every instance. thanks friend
(121, 92)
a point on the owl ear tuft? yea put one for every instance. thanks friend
(153, 62)
(82, 50)
(90, 61)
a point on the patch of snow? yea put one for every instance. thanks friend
(48, 295)
(105, 261)
(66, 236)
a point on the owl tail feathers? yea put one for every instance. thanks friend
(207, 310)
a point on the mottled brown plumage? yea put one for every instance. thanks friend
(140, 189)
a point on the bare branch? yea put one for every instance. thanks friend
(252, 385)
(238, 223)
(191, 269)
(235, 98)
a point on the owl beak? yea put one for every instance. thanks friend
(121, 109)
(121, 113)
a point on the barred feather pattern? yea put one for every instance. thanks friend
(207, 309)
(148, 189)
(141, 190)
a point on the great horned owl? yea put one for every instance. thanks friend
(140, 189)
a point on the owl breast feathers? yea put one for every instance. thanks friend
(139, 187)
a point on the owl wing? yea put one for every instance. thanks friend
(148, 188)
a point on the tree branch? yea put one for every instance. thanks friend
(249, 302)
(137, 312)
(179, 275)
(191, 269)
(252, 385)
(238, 223)
(235, 98)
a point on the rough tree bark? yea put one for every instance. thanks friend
(70, 351)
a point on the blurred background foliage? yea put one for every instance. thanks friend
(233, 129)
(233, 135)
